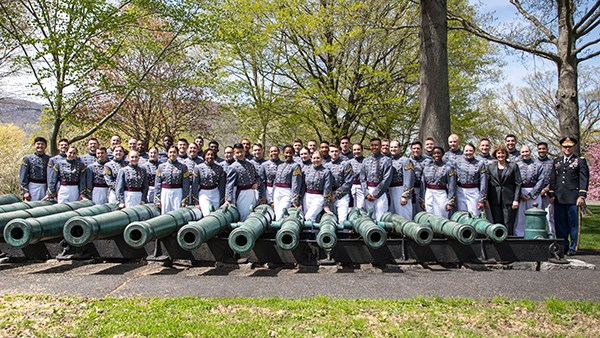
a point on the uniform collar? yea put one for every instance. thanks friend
(39, 155)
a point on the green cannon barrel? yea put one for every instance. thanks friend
(290, 226)
(463, 233)
(243, 238)
(79, 231)
(420, 234)
(373, 234)
(25, 205)
(483, 227)
(192, 235)
(9, 199)
(138, 234)
(23, 232)
(326, 237)
(41, 211)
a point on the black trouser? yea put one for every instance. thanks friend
(506, 215)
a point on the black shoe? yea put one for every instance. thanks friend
(571, 252)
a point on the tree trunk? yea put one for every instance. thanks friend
(567, 98)
(434, 99)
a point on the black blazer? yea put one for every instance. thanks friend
(569, 180)
(507, 188)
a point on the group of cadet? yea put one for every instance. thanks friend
(329, 178)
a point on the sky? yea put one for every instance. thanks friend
(518, 65)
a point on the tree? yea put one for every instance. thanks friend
(557, 30)
(12, 150)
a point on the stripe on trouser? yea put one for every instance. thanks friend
(579, 227)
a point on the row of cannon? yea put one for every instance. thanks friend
(82, 222)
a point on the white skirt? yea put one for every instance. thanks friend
(132, 198)
(405, 211)
(467, 199)
(436, 201)
(37, 191)
(112, 196)
(520, 222)
(313, 205)
(270, 191)
(99, 195)
(150, 197)
(246, 201)
(358, 195)
(379, 206)
(282, 199)
(68, 193)
(170, 199)
(208, 198)
(549, 208)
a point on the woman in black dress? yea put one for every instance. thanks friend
(504, 189)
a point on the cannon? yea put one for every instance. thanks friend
(326, 237)
(483, 227)
(9, 199)
(20, 233)
(41, 211)
(138, 234)
(420, 234)
(243, 237)
(373, 235)
(25, 205)
(463, 233)
(290, 226)
(535, 223)
(192, 235)
(79, 231)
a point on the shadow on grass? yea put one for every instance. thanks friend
(590, 229)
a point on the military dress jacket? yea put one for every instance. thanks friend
(289, 175)
(88, 159)
(34, 168)
(569, 179)
(67, 172)
(172, 175)
(243, 175)
(319, 180)
(403, 174)
(472, 173)
(356, 163)
(343, 177)
(151, 168)
(132, 178)
(94, 177)
(111, 169)
(532, 174)
(547, 163)
(267, 173)
(439, 175)
(451, 156)
(347, 156)
(208, 176)
(376, 172)
(419, 163)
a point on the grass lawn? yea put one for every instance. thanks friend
(590, 230)
(274, 317)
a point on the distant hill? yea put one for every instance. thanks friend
(22, 113)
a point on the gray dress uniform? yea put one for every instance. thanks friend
(438, 176)
(514, 156)
(151, 167)
(88, 159)
(262, 189)
(451, 156)
(34, 169)
(241, 174)
(94, 177)
(172, 175)
(207, 177)
(532, 174)
(267, 173)
(471, 174)
(547, 163)
(132, 178)
(326, 159)
(375, 179)
(357, 197)
(402, 185)
(67, 172)
(53, 160)
(163, 156)
(347, 156)
(226, 164)
(343, 177)
(111, 169)
(487, 159)
(191, 163)
(318, 185)
(418, 163)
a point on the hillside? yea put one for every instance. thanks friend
(22, 113)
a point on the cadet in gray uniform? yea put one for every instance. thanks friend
(288, 183)
(454, 153)
(214, 145)
(485, 156)
(97, 189)
(199, 140)
(115, 141)
(167, 143)
(268, 172)
(356, 194)
(471, 191)
(297, 147)
(419, 161)
(132, 183)
(438, 185)
(242, 175)
(318, 184)
(191, 162)
(172, 184)
(347, 152)
(229, 159)
(151, 167)
(324, 150)
(141, 149)
(208, 184)
(71, 174)
(182, 147)
(111, 169)
(34, 172)
(511, 144)
(90, 157)
(63, 145)
(258, 160)
(546, 162)
(532, 174)
(402, 186)
(343, 177)
(305, 160)
(247, 149)
(385, 148)
(429, 145)
(375, 179)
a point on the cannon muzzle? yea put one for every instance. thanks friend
(191, 236)
(326, 237)
(243, 238)
(420, 234)
(483, 227)
(288, 236)
(373, 234)
(463, 233)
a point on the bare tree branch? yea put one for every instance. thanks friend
(534, 20)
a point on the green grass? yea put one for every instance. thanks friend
(45, 316)
(590, 229)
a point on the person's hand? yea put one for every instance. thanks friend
(487, 204)
(183, 204)
(515, 205)
(157, 204)
(121, 205)
(327, 210)
(255, 186)
(333, 198)
(295, 205)
(543, 193)
(197, 206)
(27, 196)
(480, 206)
(82, 198)
(422, 206)
(449, 207)
(226, 204)
(142, 202)
(370, 198)
(263, 200)
(404, 201)
(525, 198)
(580, 201)
(552, 200)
